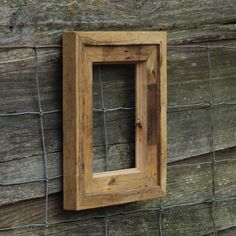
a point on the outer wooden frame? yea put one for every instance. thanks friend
(84, 189)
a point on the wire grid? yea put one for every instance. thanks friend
(106, 216)
(104, 110)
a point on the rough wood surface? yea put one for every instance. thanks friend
(43, 22)
(83, 189)
(188, 83)
(21, 152)
(32, 21)
(185, 185)
(176, 220)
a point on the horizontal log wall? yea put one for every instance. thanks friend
(189, 126)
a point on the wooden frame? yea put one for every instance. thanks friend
(84, 189)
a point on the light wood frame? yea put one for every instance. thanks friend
(84, 189)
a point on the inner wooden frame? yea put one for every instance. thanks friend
(84, 189)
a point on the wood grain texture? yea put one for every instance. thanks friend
(183, 184)
(104, 54)
(124, 95)
(43, 22)
(209, 21)
(143, 182)
(70, 117)
(187, 84)
(121, 38)
(141, 122)
(195, 182)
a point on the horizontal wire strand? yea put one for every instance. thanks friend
(191, 106)
(170, 166)
(217, 200)
(171, 46)
(170, 109)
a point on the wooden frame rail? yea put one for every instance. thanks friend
(84, 189)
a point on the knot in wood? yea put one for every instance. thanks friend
(112, 181)
(138, 124)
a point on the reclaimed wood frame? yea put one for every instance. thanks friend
(84, 189)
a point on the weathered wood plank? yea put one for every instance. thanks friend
(186, 86)
(189, 220)
(184, 185)
(188, 75)
(45, 21)
(227, 232)
(189, 86)
(202, 33)
(179, 127)
(55, 214)
(20, 137)
(194, 219)
(185, 127)
(188, 78)
(186, 68)
(18, 85)
(34, 22)
(123, 96)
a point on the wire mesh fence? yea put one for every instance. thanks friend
(113, 116)
(40, 113)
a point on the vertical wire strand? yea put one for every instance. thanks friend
(104, 116)
(212, 142)
(106, 224)
(106, 139)
(42, 136)
(160, 219)
(46, 179)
